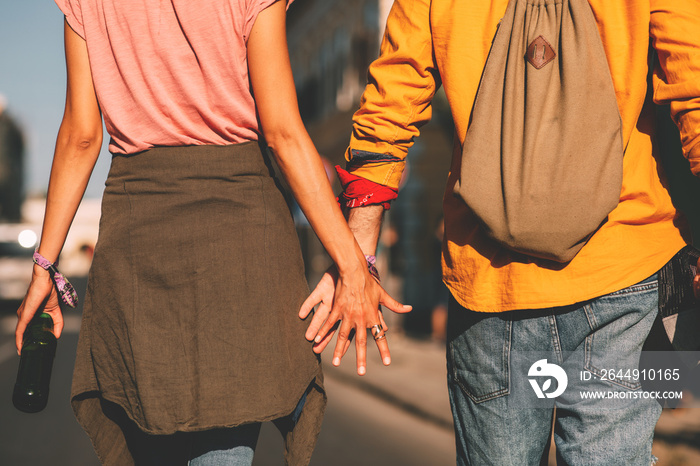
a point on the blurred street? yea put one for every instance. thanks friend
(363, 425)
(394, 416)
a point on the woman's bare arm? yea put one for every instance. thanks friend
(77, 148)
(357, 295)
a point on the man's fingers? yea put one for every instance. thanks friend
(316, 297)
(308, 305)
(321, 345)
(330, 322)
(324, 292)
(320, 316)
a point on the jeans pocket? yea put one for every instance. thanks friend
(611, 368)
(620, 322)
(478, 353)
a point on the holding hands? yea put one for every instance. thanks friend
(349, 303)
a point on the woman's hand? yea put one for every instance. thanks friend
(41, 297)
(350, 305)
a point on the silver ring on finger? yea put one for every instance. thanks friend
(380, 337)
(376, 330)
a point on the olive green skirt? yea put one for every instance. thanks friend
(190, 320)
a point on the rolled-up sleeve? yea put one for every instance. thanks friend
(674, 27)
(396, 101)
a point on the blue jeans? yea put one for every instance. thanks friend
(495, 424)
(229, 446)
(233, 446)
(225, 447)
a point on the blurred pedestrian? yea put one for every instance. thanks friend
(190, 336)
(505, 303)
(438, 315)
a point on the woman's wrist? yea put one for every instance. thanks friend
(64, 288)
(39, 271)
(368, 263)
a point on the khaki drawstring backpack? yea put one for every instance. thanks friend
(542, 158)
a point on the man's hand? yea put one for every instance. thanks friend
(323, 296)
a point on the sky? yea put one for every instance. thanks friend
(33, 80)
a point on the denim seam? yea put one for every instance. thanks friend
(594, 370)
(556, 341)
(478, 399)
(637, 288)
(506, 354)
(590, 317)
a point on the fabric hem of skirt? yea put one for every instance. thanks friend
(265, 418)
(87, 394)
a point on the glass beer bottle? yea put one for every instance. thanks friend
(38, 350)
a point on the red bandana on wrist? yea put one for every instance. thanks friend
(358, 191)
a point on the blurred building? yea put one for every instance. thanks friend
(11, 167)
(331, 45)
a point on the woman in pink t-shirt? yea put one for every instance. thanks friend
(190, 334)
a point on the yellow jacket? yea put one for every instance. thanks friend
(446, 42)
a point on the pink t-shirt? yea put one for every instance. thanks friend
(170, 72)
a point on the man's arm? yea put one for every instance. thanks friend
(365, 223)
(396, 102)
(394, 105)
(673, 30)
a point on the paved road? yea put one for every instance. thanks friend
(359, 429)
(51, 437)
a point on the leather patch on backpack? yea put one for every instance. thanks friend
(539, 53)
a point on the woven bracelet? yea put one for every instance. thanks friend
(371, 261)
(65, 290)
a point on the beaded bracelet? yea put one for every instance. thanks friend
(371, 261)
(65, 290)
